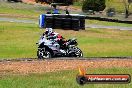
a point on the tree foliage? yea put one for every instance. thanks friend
(127, 6)
(95, 5)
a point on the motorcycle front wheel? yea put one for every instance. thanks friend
(44, 54)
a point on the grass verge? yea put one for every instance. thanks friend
(65, 79)
(17, 40)
(22, 9)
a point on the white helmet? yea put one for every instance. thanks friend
(49, 31)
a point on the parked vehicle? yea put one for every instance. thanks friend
(56, 2)
(14, 0)
(50, 48)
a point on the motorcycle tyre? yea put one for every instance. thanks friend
(45, 57)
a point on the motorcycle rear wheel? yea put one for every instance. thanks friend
(78, 52)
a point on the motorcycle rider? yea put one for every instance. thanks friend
(51, 35)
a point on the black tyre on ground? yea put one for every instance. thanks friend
(57, 23)
(82, 24)
(49, 25)
(66, 26)
(49, 19)
(66, 23)
(75, 24)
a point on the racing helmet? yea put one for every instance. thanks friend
(48, 31)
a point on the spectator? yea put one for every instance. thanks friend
(67, 12)
(55, 11)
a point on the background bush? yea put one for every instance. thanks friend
(95, 5)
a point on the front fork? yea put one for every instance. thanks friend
(41, 51)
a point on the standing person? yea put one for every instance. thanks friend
(67, 12)
(55, 11)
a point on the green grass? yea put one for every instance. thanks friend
(22, 9)
(79, 4)
(117, 4)
(97, 22)
(65, 79)
(33, 11)
(17, 40)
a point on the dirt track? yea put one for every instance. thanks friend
(25, 67)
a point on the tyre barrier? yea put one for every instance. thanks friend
(76, 24)
(42, 21)
(49, 19)
(82, 24)
(60, 21)
(49, 25)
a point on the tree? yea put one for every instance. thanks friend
(127, 5)
(95, 5)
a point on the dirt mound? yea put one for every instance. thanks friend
(29, 1)
(70, 8)
(25, 67)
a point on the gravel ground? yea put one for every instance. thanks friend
(26, 67)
